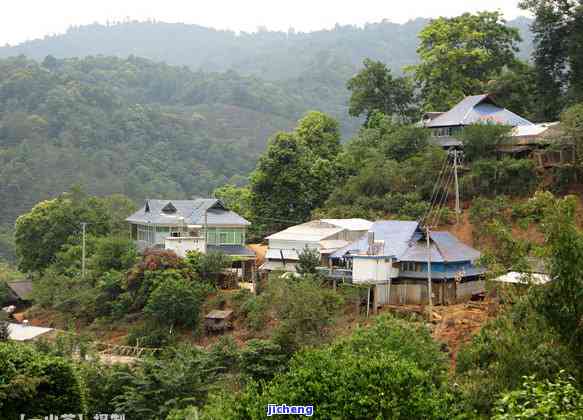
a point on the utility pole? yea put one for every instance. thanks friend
(457, 187)
(429, 288)
(206, 236)
(84, 226)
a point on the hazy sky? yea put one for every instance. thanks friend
(21, 20)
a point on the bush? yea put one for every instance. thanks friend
(262, 359)
(113, 253)
(150, 335)
(515, 177)
(175, 301)
(305, 312)
(373, 374)
(542, 399)
(210, 266)
(176, 379)
(516, 344)
(36, 384)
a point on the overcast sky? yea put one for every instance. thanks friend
(22, 20)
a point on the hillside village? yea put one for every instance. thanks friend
(428, 267)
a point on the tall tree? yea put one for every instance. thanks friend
(296, 173)
(558, 55)
(374, 89)
(459, 54)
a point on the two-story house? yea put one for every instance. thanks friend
(394, 259)
(202, 225)
(446, 126)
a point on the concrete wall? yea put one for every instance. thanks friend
(372, 270)
(182, 245)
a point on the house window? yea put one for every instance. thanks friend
(226, 236)
(146, 234)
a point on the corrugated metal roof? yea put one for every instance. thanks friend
(350, 224)
(192, 212)
(514, 277)
(330, 245)
(476, 109)
(19, 332)
(395, 234)
(306, 232)
(232, 250)
(452, 249)
(417, 252)
(532, 130)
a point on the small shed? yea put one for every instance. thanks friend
(217, 320)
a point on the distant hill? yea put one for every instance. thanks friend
(269, 55)
(173, 110)
(311, 67)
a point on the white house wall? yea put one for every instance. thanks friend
(288, 244)
(372, 270)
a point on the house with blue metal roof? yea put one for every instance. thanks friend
(202, 225)
(478, 109)
(394, 260)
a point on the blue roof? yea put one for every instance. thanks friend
(445, 247)
(403, 241)
(477, 109)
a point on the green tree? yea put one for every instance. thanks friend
(296, 173)
(209, 266)
(459, 54)
(262, 359)
(309, 261)
(480, 140)
(515, 88)
(572, 124)
(561, 302)
(175, 301)
(35, 383)
(542, 399)
(332, 379)
(558, 55)
(305, 311)
(41, 233)
(113, 253)
(179, 378)
(374, 89)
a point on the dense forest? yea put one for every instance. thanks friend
(128, 126)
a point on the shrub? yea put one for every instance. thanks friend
(113, 253)
(175, 301)
(36, 383)
(262, 359)
(305, 312)
(373, 374)
(542, 399)
(516, 344)
(210, 266)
